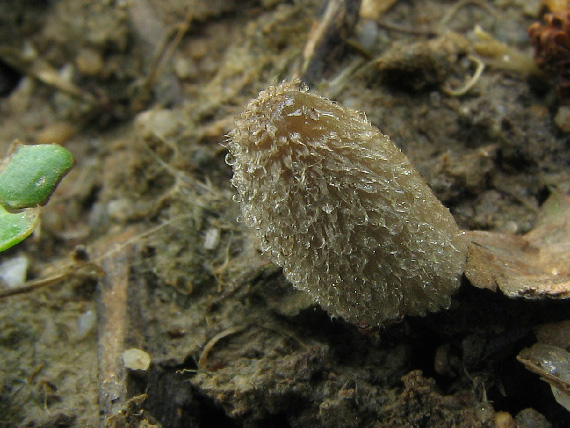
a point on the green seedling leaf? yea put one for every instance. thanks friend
(15, 227)
(30, 174)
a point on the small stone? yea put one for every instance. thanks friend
(13, 271)
(184, 68)
(86, 323)
(562, 118)
(119, 209)
(367, 33)
(58, 132)
(504, 420)
(212, 238)
(530, 418)
(160, 124)
(89, 62)
(136, 359)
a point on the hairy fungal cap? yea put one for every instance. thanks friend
(341, 209)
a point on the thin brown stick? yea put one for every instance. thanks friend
(167, 49)
(326, 39)
(400, 28)
(117, 314)
(212, 342)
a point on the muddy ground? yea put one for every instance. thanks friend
(143, 93)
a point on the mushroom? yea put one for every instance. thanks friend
(341, 209)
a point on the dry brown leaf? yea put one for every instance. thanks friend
(535, 265)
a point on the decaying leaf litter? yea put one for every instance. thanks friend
(143, 94)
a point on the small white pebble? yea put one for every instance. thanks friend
(13, 271)
(86, 323)
(157, 123)
(212, 238)
(184, 68)
(367, 33)
(117, 208)
(66, 72)
(562, 118)
(136, 359)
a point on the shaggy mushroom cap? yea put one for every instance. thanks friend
(342, 210)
